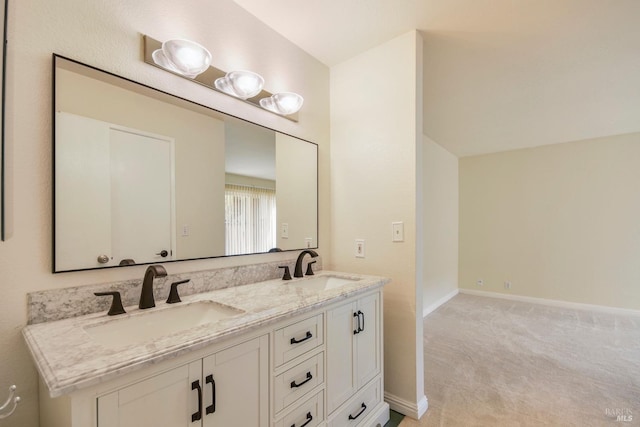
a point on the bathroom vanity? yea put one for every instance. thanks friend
(305, 352)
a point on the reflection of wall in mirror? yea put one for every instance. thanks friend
(296, 192)
(199, 153)
(250, 181)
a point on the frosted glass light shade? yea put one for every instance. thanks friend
(284, 103)
(241, 84)
(160, 59)
(187, 57)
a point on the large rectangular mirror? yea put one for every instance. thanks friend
(142, 176)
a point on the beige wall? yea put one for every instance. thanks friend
(559, 222)
(440, 222)
(375, 135)
(106, 34)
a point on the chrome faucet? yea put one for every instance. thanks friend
(298, 271)
(146, 296)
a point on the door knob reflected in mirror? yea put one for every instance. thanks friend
(103, 259)
(163, 253)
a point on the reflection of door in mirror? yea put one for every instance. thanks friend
(117, 184)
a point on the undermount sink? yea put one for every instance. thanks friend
(153, 324)
(323, 283)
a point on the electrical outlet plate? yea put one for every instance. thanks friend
(359, 249)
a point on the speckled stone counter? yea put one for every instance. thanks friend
(69, 359)
(58, 304)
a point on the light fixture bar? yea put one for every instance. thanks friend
(207, 78)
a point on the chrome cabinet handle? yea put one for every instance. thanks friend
(103, 259)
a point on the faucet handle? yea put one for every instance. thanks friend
(173, 292)
(116, 303)
(287, 273)
(309, 270)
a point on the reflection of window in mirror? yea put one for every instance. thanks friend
(250, 219)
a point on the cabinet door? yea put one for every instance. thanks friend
(236, 386)
(367, 347)
(341, 375)
(163, 400)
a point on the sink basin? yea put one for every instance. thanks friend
(152, 324)
(323, 283)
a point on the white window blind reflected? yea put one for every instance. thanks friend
(250, 219)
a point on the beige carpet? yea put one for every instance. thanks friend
(494, 362)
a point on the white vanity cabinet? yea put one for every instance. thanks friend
(227, 388)
(354, 356)
(321, 367)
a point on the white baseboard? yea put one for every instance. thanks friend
(432, 307)
(553, 302)
(409, 409)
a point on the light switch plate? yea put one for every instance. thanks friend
(308, 241)
(285, 230)
(359, 249)
(398, 231)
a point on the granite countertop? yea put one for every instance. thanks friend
(69, 359)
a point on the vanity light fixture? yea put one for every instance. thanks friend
(284, 103)
(193, 61)
(241, 84)
(183, 57)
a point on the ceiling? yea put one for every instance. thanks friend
(498, 74)
(250, 150)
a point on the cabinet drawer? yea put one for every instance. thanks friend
(308, 414)
(294, 383)
(298, 338)
(358, 408)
